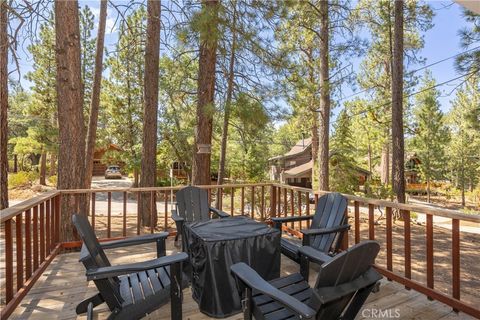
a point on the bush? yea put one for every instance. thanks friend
(21, 179)
(52, 180)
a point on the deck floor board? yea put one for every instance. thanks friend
(63, 285)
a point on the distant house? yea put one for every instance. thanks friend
(99, 163)
(295, 167)
(412, 163)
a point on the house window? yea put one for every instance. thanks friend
(291, 163)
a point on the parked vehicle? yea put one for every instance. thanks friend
(113, 172)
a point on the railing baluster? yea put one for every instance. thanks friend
(220, 198)
(109, 215)
(242, 201)
(165, 217)
(252, 210)
(285, 204)
(47, 227)
(356, 205)
(139, 198)
(299, 207)
(57, 218)
(124, 233)
(232, 201)
(407, 244)
(209, 192)
(28, 244)
(19, 249)
(262, 205)
(456, 258)
(279, 201)
(35, 238)
(42, 232)
(371, 221)
(429, 231)
(307, 195)
(316, 200)
(389, 239)
(152, 208)
(292, 207)
(273, 201)
(93, 210)
(8, 260)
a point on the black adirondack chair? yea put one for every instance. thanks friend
(342, 286)
(193, 206)
(130, 290)
(326, 228)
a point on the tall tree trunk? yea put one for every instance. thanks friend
(53, 170)
(3, 106)
(226, 116)
(150, 111)
(15, 163)
(385, 163)
(43, 168)
(95, 100)
(71, 157)
(206, 93)
(428, 190)
(398, 174)
(324, 123)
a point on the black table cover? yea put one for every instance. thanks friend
(213, 246)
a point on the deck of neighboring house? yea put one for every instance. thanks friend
(63, 285)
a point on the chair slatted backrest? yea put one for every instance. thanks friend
(109, 288)
(330, 212)
(192, 204)
(343, 268)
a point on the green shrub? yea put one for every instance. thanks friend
(21, 179)
(52, 180)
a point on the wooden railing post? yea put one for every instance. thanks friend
(273, 201)
(28, 244)
(371, 222)
(109, 215)
(389, 239)
(124, 229)
(8, 261)
(407, 245)
(429, 244)
(232, 201)
(456, 259)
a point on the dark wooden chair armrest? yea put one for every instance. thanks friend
(315, 232)
(158, 238)
(277, 222)
(329, 294)
(314, 255)
(219, 213)
(115, 271)
(253, 281)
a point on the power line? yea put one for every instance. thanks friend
(413, 71)
(420, 91)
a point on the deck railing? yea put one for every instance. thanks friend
(31, 232)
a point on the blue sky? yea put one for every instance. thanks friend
(441, 41)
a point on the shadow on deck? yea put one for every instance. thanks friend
(63, 285)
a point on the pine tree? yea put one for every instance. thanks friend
(430, 133)
(3, 106)
(469, 61)
(71, 159)
(343, 176)
(464, 147)
(120, 121)
(43, 132)
(208, 29)
(87, 43)
(148, 174)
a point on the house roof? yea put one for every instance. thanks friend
(299, 170)
(298, 148)
(302, 169)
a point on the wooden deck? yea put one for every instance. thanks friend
(63, 285)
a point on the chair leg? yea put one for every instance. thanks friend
(176, 291)
(357, 303)
(247, 304)
(161, 249)
(304, 267)
(84, 306)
